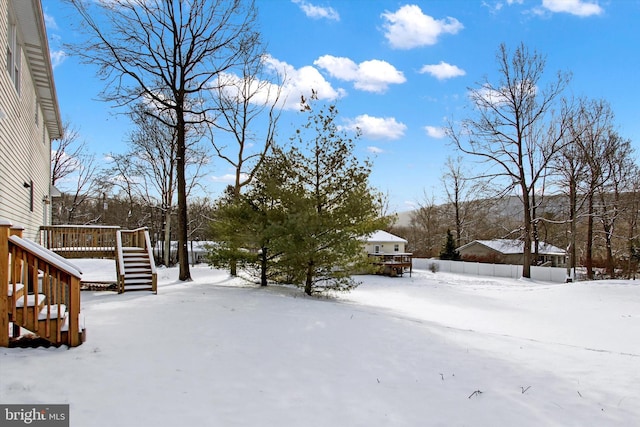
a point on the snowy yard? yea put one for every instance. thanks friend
(431, 350)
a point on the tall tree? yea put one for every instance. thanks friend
(329, 203)
(620, 169)
(170, 54)
(594, 123)
(514, 130)
(569, 166)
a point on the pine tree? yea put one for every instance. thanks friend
(329, 206)
(449, 251)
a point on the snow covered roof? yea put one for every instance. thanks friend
(383, 236)
(514, 246)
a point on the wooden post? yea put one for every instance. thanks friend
(4, 283)
(15, 274)
(74, 312)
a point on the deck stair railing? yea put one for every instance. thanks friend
(40, 291)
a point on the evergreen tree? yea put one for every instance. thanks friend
(228, 230)
(303, 219)
(329, 206)
(449, 251)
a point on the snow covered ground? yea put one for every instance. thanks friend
(431, 350)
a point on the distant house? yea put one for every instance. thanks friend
(388, 251)
(507, 251)
(29, 117)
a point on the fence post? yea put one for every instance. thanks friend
(4, 283)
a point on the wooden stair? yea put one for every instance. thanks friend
(52, 322)
(138, 271)
(39, 293)
(134, 261)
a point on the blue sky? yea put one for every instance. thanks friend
(398, 70)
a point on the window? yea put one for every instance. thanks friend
(396, 248)
(13, 56)
(376, 249)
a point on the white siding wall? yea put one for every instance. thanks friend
(385, 247)
(25, 147)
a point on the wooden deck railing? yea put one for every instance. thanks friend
(80, 241)
(40, 291)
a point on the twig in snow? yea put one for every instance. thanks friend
(442, 376)
(477, 392)
(579, 394)
(524, 390)
(378, 379)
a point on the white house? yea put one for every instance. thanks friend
(388, 250)
(29, 116)
(381, 242)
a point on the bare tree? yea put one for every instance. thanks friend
(590, 130)
(247, 102)
(514, 130)
(170, 54)
(570, 168)
(461, 190)
(66, 153)
(248, 113)
(620, 168)
(426, 227)
(632, 218)
(81, 188)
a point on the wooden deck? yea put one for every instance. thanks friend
(131, 250)
(80, 241)
(395, 264)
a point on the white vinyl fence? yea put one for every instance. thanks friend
(545, 274)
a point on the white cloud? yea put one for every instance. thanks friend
(50, 22)
(57, 57)
(375, 150)
(408, 27)
(435, 132)
(228, 178)
(376, 127)
(443, 71)
(300, 82)
(574, 7)
(370, 76)
(317, 12)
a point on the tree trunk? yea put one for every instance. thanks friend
(308, 286)
(526, 254)
(263, 267)
(571, 266)
(183, 254)
(588, 262)
(608, 233)
(167, 236)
